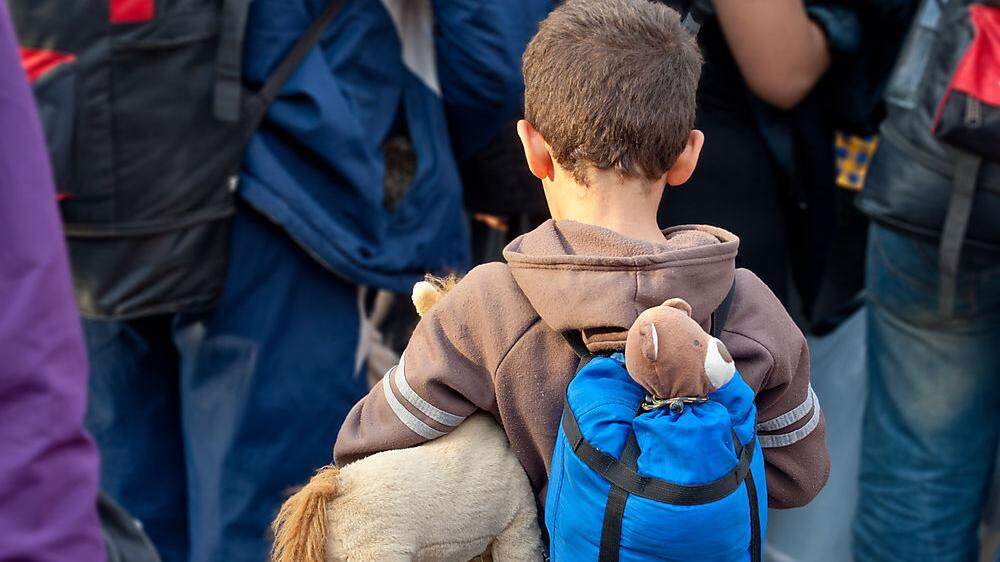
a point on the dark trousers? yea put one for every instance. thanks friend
(205, 421)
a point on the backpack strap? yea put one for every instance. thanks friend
(575, 341)
(624, 478)
(721, 314)
(229, 61)
(256, 105)
(618, 473)
(614, 509)
(756, 544)
(956, 223)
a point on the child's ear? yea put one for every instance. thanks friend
(536, 151)
(685, 164)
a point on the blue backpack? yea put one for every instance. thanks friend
(633, 482)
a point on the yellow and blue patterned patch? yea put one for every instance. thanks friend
(854, 154)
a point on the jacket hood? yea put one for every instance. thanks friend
(585, 277)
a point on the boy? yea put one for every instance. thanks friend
(609, 110)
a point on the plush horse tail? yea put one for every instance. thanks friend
(300, 531)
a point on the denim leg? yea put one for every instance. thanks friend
(133, 412)
(268, 377)
(931, 423)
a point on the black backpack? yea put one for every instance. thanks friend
(146, 118)
(937, 169)
(124, 538)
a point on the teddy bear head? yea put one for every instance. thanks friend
(671, 356)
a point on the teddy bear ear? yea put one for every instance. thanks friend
(650, 341)
(679, 304)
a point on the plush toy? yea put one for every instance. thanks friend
(673, 358)
(450, 499)
(429, 291)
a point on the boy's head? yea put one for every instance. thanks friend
(610, 87)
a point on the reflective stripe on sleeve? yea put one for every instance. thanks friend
(429, 410)
(792, 416)
(404, 415)
(786, 439)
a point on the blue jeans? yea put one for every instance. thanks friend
(933, 410)
(205, 421)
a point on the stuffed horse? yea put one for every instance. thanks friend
(451, 499)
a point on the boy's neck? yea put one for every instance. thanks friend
(625, 205)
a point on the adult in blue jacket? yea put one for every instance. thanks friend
(268, 375)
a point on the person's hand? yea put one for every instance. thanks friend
(493, 221)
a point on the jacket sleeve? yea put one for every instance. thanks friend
(774, 357)
(840, 24)
(48, 463)
(792, 430)
(443, 376)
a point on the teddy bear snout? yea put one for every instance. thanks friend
(719, 366)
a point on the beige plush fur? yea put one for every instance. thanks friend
(447, 500)
(428, 292)
(451, 499)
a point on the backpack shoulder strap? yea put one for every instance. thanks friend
(575, 341)
(756, 538)
(229, 60)
(955, 225)
(614, 508)
(721, 314)
(628, 478)
(257, 104)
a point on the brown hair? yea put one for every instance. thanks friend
(612, 83)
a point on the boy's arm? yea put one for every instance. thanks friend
(774, 358)
(444, 375)
(420, 399)
(792, 430)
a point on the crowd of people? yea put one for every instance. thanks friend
(214, 213)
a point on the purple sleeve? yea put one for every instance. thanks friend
(48, 464)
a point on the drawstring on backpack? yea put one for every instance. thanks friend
(676, 405)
